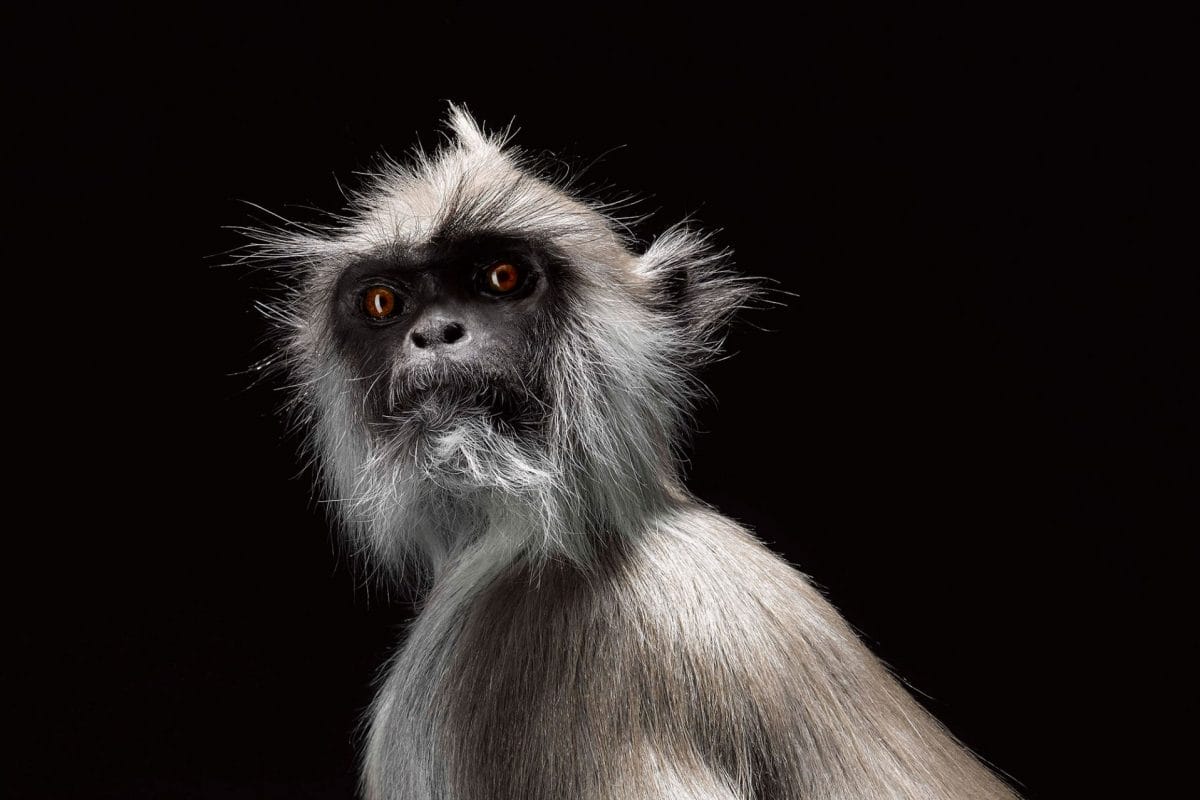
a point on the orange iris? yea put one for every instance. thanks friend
(379, 302)
(502, 278)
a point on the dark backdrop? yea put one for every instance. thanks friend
(965, 425)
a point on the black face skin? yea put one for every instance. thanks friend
(451, 339)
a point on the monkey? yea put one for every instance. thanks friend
(495, 377)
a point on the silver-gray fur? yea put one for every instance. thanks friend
(588, 629)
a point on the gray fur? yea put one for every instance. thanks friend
(588, 630)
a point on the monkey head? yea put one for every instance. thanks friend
(472, 344)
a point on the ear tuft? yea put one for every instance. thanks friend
(692, 281)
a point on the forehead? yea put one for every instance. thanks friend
(456, 251)
(467, 199)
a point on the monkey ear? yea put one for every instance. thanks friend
(692, 282)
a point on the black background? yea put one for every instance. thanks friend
(966, 425)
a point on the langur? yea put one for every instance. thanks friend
(495, 378)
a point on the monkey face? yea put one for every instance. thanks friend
(454, 328)
(471, 328)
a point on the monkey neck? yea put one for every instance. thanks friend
(563, 503)
(561, 524)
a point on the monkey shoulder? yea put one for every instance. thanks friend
(717, 585)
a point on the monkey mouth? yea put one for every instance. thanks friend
(443, 404)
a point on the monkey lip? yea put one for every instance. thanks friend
(447, 400)
(448, 392)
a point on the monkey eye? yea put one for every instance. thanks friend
(501, 278)
(379, 302)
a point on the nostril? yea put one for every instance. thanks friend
(437, 333)
(452, 333)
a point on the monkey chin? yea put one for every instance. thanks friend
(466, 434)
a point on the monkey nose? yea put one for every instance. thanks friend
(437, 332)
